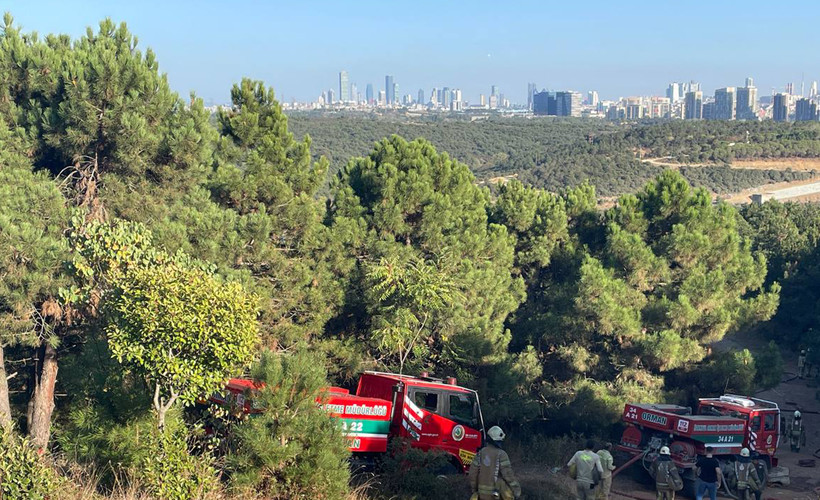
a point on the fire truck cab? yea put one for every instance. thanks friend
(430, 413)
(762, 430)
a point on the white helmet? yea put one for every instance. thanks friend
(665, 450)
(744, 452)
(797, 414)
(496, 434)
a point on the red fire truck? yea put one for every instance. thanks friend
(431, 414)
(727, 424)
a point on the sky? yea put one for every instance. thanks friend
(619, 48)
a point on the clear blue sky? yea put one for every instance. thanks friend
(619, 48)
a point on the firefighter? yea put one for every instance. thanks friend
(667, 477)
(801, 363)
(608, 465)
(748, 482)
(797, 432)
(491, 475)
(588, 471)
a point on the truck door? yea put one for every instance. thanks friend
(769, 436)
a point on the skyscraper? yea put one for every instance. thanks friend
(541, 103)
(780, 108)
(813, 89)
(568, 103)
(344, 87)
(805, 111)
(354, 91)
(790, 88)
(368, 94)
(395, 92)
(747, 101)
(389, 89)
(531, 89)
(421, 97)
(725, 103)
(493, 90)
(693, 105)
(673, 92)
(750, 82)
(447, 97)
(592, 98)
(331, 96)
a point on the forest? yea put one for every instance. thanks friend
(149, 251)
(552, 153)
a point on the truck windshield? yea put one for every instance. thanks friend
(463, 408)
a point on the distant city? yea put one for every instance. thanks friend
(681, 100)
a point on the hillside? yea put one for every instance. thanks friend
(555, 153)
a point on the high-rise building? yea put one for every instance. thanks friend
(447, 97)
(541, 103)
(592, 98)
(482, 100)
(693, 105)
(813, 89)
(709, 110)
(790, 88)
(531, 89)
(673, 92)
(331, 96)
(389, 90)
(493, 101)
(382, 98)
(421, 97)
(493, 90)
(568, 103)
(354, 91)
(395, 92)
(368, 94)
(456, 104)
(780, 108)
(633, 108)
(344, 87)
(434, 97)
(750, 82)
(747, 101)
(725, 103)
(805, 110)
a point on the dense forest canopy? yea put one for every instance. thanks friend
(149, 251)
(552, 153)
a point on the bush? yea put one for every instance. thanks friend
(170, 472)
(411, 473)
(23, 474)
(293, 449)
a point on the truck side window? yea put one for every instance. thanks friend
(768, 422)
(755, 425)
(461, 409)
(426, 400)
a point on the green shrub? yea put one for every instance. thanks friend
(23, 473)
(170, 472)
(293, 449)
(414, 474)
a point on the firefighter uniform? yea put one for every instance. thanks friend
(797, 432)
(746, 475)
(491, 476)
(666, 475)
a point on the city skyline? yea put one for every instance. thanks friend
(299, 48)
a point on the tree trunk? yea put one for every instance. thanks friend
(5, 406)
(40, 425)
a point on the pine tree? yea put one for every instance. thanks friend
(407, 203)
